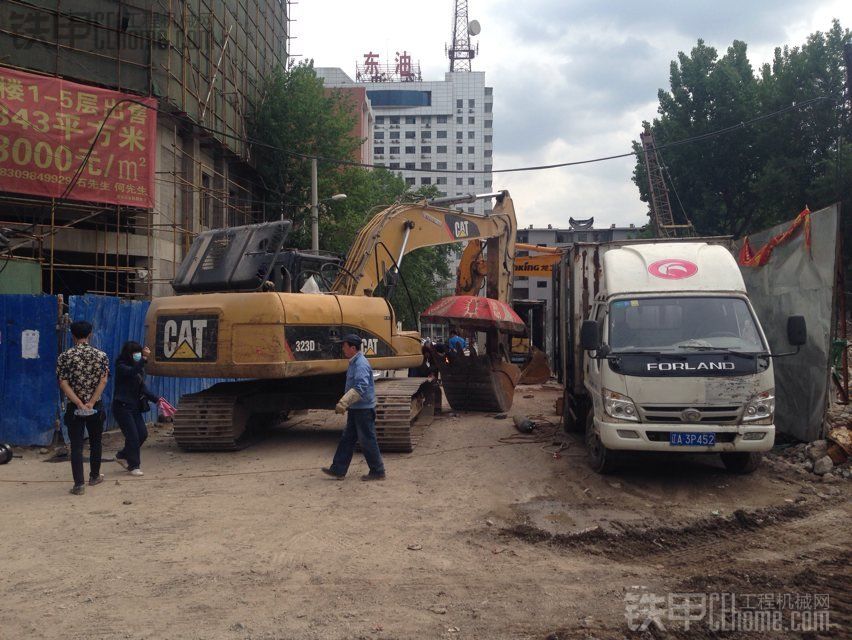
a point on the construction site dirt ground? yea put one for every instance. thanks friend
(471, 536)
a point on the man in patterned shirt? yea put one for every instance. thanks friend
(82, 373)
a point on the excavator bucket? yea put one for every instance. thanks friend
(535, 370)
(479, 383)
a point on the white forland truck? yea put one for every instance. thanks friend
(661, 351)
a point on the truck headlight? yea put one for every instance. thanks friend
(619, 406)
(761, 408)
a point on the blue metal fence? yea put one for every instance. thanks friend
(30, 343)
(28, 348)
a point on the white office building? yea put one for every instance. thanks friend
(427, 130)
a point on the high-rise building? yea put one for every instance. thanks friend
(432, 132)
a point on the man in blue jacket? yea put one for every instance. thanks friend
(359, 402)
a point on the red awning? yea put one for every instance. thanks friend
(474, 312)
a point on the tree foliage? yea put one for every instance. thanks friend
(297, 118)
(766, 172)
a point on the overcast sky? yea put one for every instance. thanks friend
(573, 79)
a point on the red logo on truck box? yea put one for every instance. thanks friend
(673, 269)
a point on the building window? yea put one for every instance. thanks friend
(409, 165)
(379, 164)
(460, 150)
(425, 149)
(459, 182)
(489, 124)
(442, 180)
(471, 103)
(488, 153)
(459, 135)
(410, 181)
(394, 165)
(488, 184)
(470, 209)
(471, 120)
(378, 150)
(459, 120)
(425, 119)
(411, 149)
(379, 135)
(425, 180)
(442, 119)
(442, 149)
(488, 168)
(425, 134)
(471, 135)
(394, 149)
(410, 134)
(394, 135)
(488, 138)
(489, 91)
(459, 166)
(410, 120)
(442, 134)
(426, 166)
(394, 119)
(471, 150)
(459, 104)
(488, 107)
(471, 180)
(442, 166)
(541, 284)
(471, 166)
(380, 119)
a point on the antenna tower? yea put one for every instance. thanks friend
(460, 52)
(662, 218)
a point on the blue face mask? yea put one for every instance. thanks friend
(137, 357)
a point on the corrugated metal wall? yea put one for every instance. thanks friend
(29, 393)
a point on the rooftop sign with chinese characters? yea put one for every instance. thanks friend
(53, 132)
(402, 69)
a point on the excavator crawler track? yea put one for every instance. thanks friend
(211, 422)
(404, 408)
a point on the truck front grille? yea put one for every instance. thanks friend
(715, 414)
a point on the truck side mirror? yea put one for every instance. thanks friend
(797, 331)
(590, 335)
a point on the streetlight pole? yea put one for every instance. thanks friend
(314, 208)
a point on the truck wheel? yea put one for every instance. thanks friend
(601, 459)
(741, 462)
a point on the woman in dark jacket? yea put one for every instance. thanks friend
(129, 400)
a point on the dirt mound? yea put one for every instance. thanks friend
(629, 540)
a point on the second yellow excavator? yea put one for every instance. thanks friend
(242, 316)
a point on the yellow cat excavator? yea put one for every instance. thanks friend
(241, 314)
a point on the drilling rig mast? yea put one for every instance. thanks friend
(662, 218)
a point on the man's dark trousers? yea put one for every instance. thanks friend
(360, 427)
(77, 427)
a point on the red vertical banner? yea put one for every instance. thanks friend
(54, 133)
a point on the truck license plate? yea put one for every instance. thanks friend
(681, 439)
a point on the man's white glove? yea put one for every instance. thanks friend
(349, 398)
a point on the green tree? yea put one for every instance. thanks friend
(298, 118)
(752, 177)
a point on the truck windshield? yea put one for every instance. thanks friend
(683, 324)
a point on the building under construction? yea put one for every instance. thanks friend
(195, 67)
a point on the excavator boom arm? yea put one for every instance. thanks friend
(402, 228)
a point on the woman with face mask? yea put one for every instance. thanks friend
(130, 400)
